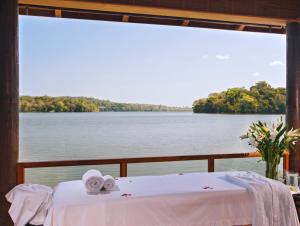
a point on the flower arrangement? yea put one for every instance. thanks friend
(271, 143)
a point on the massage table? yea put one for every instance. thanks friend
(193, 199)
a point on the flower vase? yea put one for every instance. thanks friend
(272, 170)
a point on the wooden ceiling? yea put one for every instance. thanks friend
(270, 16)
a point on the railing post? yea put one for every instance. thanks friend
(285, 162)
(211, 164)
(123, 169)
(20, 175)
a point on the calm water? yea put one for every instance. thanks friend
(58, 136)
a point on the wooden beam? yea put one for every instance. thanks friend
(57, 12)
(241, 27)
(293, 88)
(135, 160)
(158, 11)
(185, 23)
(123, 162)
(9, 92)
(125, 18)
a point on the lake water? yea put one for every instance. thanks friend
(60, 136)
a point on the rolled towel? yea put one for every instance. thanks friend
(109, 183)
(93, 181)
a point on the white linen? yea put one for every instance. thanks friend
(274, 204)
(93, 181)
(198, 199)
(29, 203)
(109, 183)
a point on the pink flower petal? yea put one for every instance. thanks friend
(126, 195)
(207, 187)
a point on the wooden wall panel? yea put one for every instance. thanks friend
(245, 7)
(222, 6)
(172, 3)
(9, 92)
(200, 5)
(269, 8)
(293, 87)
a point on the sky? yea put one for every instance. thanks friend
(138, 63)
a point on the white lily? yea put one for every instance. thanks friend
(253, 142)
(273, 134)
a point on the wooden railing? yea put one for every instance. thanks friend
(123, 162)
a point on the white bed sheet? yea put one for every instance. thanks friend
(194, 199)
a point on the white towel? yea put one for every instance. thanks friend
(109, 183)
(273, 202)
(93, 181)
(29, 203)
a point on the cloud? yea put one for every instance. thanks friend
(276, 63)
(222, 57)
(204, 56)
(255, 74)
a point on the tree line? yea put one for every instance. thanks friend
(261, 98)
(84, 104)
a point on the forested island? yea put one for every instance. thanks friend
(260, 98)
(85, 104)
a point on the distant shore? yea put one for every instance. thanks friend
(87, 104)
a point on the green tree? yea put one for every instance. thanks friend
(260, 98)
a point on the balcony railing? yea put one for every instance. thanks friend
(123, 162)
